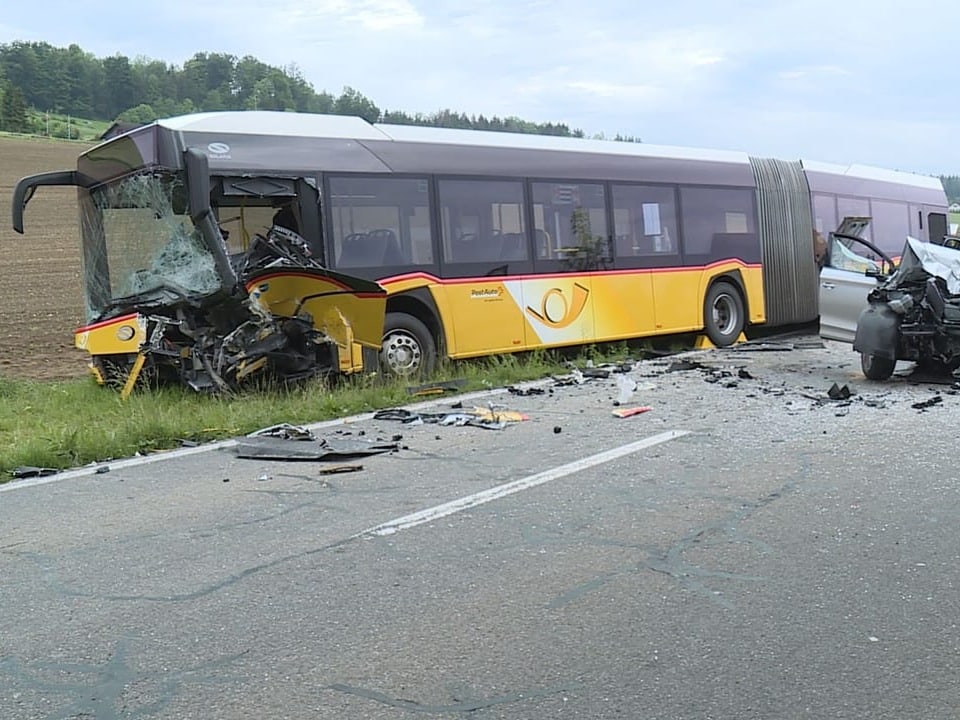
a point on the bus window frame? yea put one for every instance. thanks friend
(384, 271)
(551, 266)
(699, 262)
(486, 268)
(653, 260)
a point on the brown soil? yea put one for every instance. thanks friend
(40, 299)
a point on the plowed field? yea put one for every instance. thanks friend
(40, 297)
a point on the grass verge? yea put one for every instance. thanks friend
(69, 424)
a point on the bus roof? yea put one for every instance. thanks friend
(289, 142)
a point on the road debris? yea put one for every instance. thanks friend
(630, 412)
(525, 391)
(277, 448)
(925, 404)
(30, 471)
(338, 469)
(491, 417)
(837, 392)
(437, 388)
(285, 431)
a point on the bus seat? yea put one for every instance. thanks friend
(357, 251)
(387, 242)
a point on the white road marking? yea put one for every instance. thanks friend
(471, 501)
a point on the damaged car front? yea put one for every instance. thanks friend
(914, 314)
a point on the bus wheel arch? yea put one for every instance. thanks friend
(411, 338)
(724, 310)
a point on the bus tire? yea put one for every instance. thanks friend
(724, 316)
(875, 367)
(408, 348)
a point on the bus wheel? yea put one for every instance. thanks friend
(723, 314)
(876, 368)
(408, 347)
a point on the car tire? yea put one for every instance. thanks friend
(875, 367)
(408, 348)
(724, 316)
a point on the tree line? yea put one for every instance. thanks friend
(70, 81)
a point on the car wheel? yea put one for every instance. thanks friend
(408, 348)
(877, 368)
(723, 314)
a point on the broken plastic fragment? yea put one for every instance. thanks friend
(837, 392)
(626, 387)
(630, 412)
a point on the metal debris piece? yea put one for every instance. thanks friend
(29, 471)
(274, 448)
(338, 469)
(285, 431)
(924, 404)
(523, 391)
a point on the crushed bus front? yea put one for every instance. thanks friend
(167, 302)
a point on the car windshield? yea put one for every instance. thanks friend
(140, 244)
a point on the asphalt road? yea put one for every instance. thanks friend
(749, 548)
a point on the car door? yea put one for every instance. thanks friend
(852, 268)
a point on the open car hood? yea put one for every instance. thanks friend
(922, 259)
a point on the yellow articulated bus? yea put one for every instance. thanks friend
(490, 243)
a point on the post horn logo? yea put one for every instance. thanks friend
(556, 311)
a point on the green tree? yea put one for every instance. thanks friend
(142, 113)
(13, 109)
(352, 102)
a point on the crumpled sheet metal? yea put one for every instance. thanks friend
(937, 260)
(267, 447)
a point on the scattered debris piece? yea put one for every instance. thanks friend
(273, 448)
(337, 469)
(285, 431)
(29, 471)
(102, 469)
(744, 374)
(491, 418)
(630, 412)
(626, 387)
(596, 373)
(524, 391)
(837, 392)
(264, 478)
(557, 429)
(924, 404)
(685, 365)
(575, 377)
(437, 388)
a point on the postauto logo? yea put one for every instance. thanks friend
(556, 311)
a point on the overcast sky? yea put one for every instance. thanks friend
(846, 81)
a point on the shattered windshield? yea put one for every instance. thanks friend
(139, 244)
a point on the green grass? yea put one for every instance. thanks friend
(70, 424)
